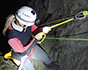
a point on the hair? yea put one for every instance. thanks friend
(9, 20)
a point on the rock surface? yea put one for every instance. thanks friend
(68, 54)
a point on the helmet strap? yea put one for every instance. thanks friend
(16, 27)
(24, 29)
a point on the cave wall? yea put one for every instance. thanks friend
(68, 54)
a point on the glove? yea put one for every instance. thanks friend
(46, 29)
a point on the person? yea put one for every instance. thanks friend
(18, 30)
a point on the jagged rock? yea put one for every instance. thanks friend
(69, 55)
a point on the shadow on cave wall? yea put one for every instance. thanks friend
(7, 7)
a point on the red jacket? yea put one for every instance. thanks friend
(19, 41)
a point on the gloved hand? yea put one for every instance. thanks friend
(39, 36)
(46, 29)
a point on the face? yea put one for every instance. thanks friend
(22, 25)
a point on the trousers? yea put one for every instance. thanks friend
(38, 54)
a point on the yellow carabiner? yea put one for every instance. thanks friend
(43, 37)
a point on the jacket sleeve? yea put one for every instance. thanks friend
(35, 30)
(17, 45)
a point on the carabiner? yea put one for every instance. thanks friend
(80, 15)
(43, 37)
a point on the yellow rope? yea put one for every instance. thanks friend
(62, 23)
(84, 13)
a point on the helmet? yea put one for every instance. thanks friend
(26, 15)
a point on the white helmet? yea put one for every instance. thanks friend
(26, 15)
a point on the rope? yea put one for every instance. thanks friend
(62, 23)
(80, 15)
(80, 39)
